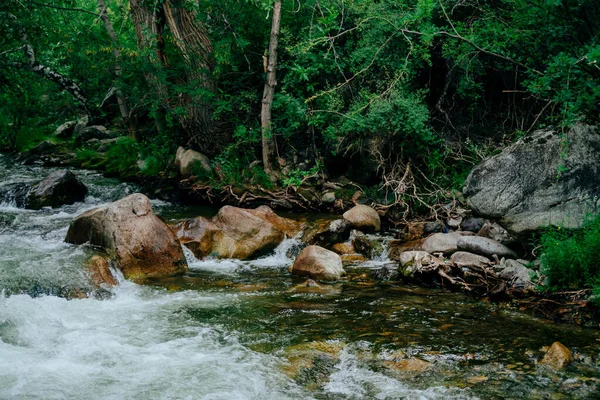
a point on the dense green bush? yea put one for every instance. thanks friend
(570, 257)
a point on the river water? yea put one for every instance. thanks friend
(248, 330)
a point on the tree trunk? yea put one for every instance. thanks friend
(268, 139)
(149, 29)
(121, 99)
(196, 49)
(193, 43)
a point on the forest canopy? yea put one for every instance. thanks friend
(372, 90)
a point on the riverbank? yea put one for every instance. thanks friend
(570, 307)
(248, 329)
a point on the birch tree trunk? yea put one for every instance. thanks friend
(121, 99)
(268, 139)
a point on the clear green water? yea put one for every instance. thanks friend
(249, 330)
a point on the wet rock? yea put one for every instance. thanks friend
(327, 233)
(311, 364)
(368, 247)
(58, 188)
(484, 246)
(348, 259)
(141, 244)
(99, 268)
(412, 364)
(235, 233)
(441, 243)
(465, 259)
(472, 225)
(190, 162)
(328, 198)
(65, 131)
(363, 218)
(318, 263)
(343, 248)
(93, 132)
(517, 275)
(521, 186)
(558, 356)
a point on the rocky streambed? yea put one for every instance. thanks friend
(247, 328)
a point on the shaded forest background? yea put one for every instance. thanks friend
(395, 95)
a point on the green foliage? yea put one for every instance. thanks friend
(570, 257)
(122, 157)
(296, 177)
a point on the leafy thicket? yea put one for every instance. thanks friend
(570, 258)
(373, 90)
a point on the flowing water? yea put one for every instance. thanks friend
(248, 330)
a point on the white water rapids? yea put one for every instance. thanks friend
(137, 342)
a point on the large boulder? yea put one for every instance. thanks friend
(544, 179)
(235, 233)
(58, 188)
(190, 162)
(318, 263)
(141, 244)
(484, 246)
(363, 218)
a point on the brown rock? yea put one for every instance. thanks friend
(99, 267)
(352, 259)
(235, 233)
(558, 356)
(318, 263)
(412, 364)
(141, 244)
(363, 218)
(343, 248)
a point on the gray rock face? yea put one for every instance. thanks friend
(543, 179)
(191, 162)
(318, 263)
(58, 188)
(484, 246)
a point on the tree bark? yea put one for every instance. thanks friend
(268, 139)
(193, 44)
(121, 99)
